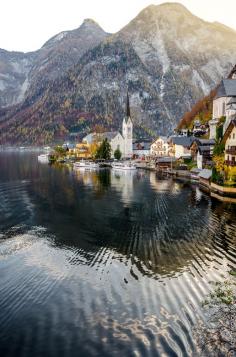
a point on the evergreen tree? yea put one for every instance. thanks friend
(104, 150)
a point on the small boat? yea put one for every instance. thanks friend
(44, 158)
(85, 165)
(46, 148)
(61, 160)
(126, 165)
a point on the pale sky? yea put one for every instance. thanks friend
(25, 25)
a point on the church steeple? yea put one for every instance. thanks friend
(127, 107)
(127, 131)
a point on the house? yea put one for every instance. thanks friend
(229, 140)
(160, 147)
(123, 142)
(202, 151)
(181, 146)
(141, 149)
(204, 156)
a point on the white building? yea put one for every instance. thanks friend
(224, 103)
(160, 147)
(181, 146)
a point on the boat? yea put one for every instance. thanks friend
(125, 165)
(44, 158)
(83, 164)
(47, 148)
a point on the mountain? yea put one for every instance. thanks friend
(21, 71)
(166, 57)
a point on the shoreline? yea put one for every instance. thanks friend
(222, 193)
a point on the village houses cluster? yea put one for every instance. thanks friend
(164, 150)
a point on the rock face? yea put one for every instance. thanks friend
(21, 71)
(14, 70)
(166, 57)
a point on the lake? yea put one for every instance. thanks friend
(105, 263)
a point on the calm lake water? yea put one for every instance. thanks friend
(105, 263)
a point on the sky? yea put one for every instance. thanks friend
(25, 25)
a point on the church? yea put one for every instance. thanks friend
(122, 141)
(224, 103)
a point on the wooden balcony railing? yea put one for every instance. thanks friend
(230, 163)
(231, 150)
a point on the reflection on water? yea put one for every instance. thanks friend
(105, 263)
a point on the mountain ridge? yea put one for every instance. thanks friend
(166, 62)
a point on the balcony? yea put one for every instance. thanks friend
(231, 150)
(230, 163)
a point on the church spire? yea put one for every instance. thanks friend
(127, 106)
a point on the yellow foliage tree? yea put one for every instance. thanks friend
(93, 149)
(219, 162)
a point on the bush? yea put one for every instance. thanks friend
(117, 154)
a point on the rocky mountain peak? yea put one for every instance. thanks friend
(90, 22)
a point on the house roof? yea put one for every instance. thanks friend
(185, 141)
(205, 174)
(207, 142)
(203, 148)
(232, 101)
(204, 142)
(141, 145)
(228, 131)
(166, 159)
(227, 88)
(109, 135)
(164, 138)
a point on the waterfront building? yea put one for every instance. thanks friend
(202, 151)
(160, 147)
(81, 151)
(180, 146)
(229, 140)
